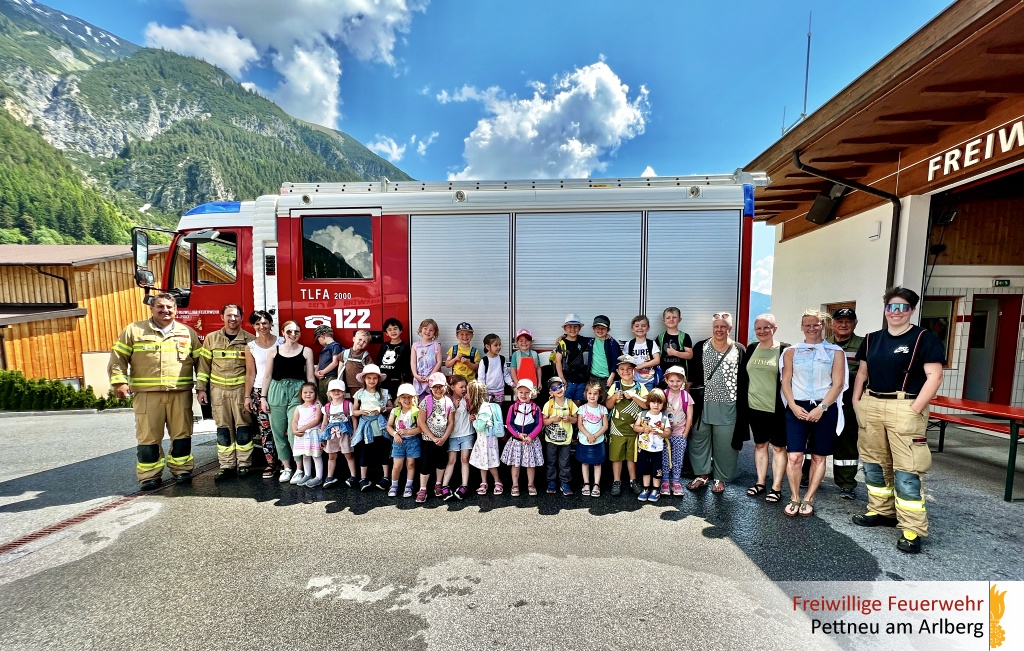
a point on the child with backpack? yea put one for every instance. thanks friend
(353, 360)
(492, 369)
(676, 346)
(525, 363)
(436, 421)
(327, 361)
(460, 443)
(405, 434)
(369, 404)
(590, 452)
(604, 351)
(645, 352)
(559, 418)
(487, 424)
(524, 449)
(626, 399)
(572, 359)
(463, 358)
(337, 431)
(426, 357)
(679, 405)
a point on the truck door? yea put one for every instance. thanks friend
(205, 273)
(330, 272)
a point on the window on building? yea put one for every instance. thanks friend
(216, 261)
(338, 247)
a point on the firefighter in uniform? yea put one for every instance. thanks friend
(220, 382)
(900, 372)
(153, 361)
(844, 454)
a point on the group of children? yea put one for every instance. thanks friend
(604, 401)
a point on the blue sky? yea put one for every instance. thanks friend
(532, 89)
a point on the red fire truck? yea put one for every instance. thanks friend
(501, 255)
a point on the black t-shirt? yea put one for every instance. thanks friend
(575, 364)
(889, 359)
(667, 360)
(394, 362)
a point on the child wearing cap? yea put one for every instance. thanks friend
(369, 404)
(327, 363)
(559, 418)
(572, 359)
(436, 422)
(426, 357)
(405, 434)
(463, 358)
(626, 399)
(338, 429)
(525, 363)
(680, 411)
(652, 426)
(604, 351)
(524, 449)
(394, 357)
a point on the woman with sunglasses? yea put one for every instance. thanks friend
(900, 372)
(255, 368)
(720, 427)
(289, 366)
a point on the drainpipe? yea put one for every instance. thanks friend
(67, 290)
(894, 234)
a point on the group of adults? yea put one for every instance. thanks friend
(841, 397)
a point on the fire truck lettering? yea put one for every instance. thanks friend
(351, 318)
(315, 294)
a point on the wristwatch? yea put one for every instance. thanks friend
(824, 407)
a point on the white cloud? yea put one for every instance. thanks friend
(648, 172)
(221, 47)
(348, 245)
(388, 148)
(299, 38)
(761, 275)
(421, 146)
(564, 130)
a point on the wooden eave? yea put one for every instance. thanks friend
(963, 68)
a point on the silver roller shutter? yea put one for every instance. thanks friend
(450, 285)
(693, 260)
(586, 263)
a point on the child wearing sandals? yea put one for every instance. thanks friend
(436, 420)
(307, 438)
(338, 428)
(460, 443)
(426, 357)
(486, 419)
(680, 411)
(593, 419)
(524, 449)
(405, 434)
(653, 426)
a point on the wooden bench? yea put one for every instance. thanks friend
(1014, 416)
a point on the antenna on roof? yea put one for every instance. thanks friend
(807, 78)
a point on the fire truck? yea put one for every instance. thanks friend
(500, 255)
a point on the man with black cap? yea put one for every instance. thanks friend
(844, 456)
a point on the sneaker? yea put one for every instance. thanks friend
(585, 491)
(438, 489)
(642, 497)
(313, 483)
(909, 543)
(299, 478)
(566, 489)
(446, 493)
(351, 482)
(847, 494)
(364, 485)
(677, 488)
(286, 475)
(636, 487)
(460, 493)
(421, 496)
(666, 487)
(384, 483)
(872, 519)
(393, 491)
(616, 489)
(595, 491)
(330, 482)
(551, 488)
(653, 496)
(408, 491)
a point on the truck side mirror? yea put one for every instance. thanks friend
(140, 248)
(144, 277)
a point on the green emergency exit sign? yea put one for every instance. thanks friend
(1001, 282)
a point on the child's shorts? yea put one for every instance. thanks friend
(460, 443)
(409, 448)
(622, 448)
(648, 463)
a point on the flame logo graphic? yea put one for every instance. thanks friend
(997, 608)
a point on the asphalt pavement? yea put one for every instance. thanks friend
(251, 563)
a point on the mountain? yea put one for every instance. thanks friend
(759, 304)
(151, 132)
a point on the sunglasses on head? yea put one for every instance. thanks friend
(898, 307)
(721, 315)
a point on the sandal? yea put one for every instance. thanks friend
(773, 496)
(498, 488)
(515, 491)
(697, 483)
(595, 491)
(792, 509)
(807, 508)
(483, 489)
(756, 489)
(532, 490)
(718, 486)
(269, 473)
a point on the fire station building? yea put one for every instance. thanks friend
(913, 175)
